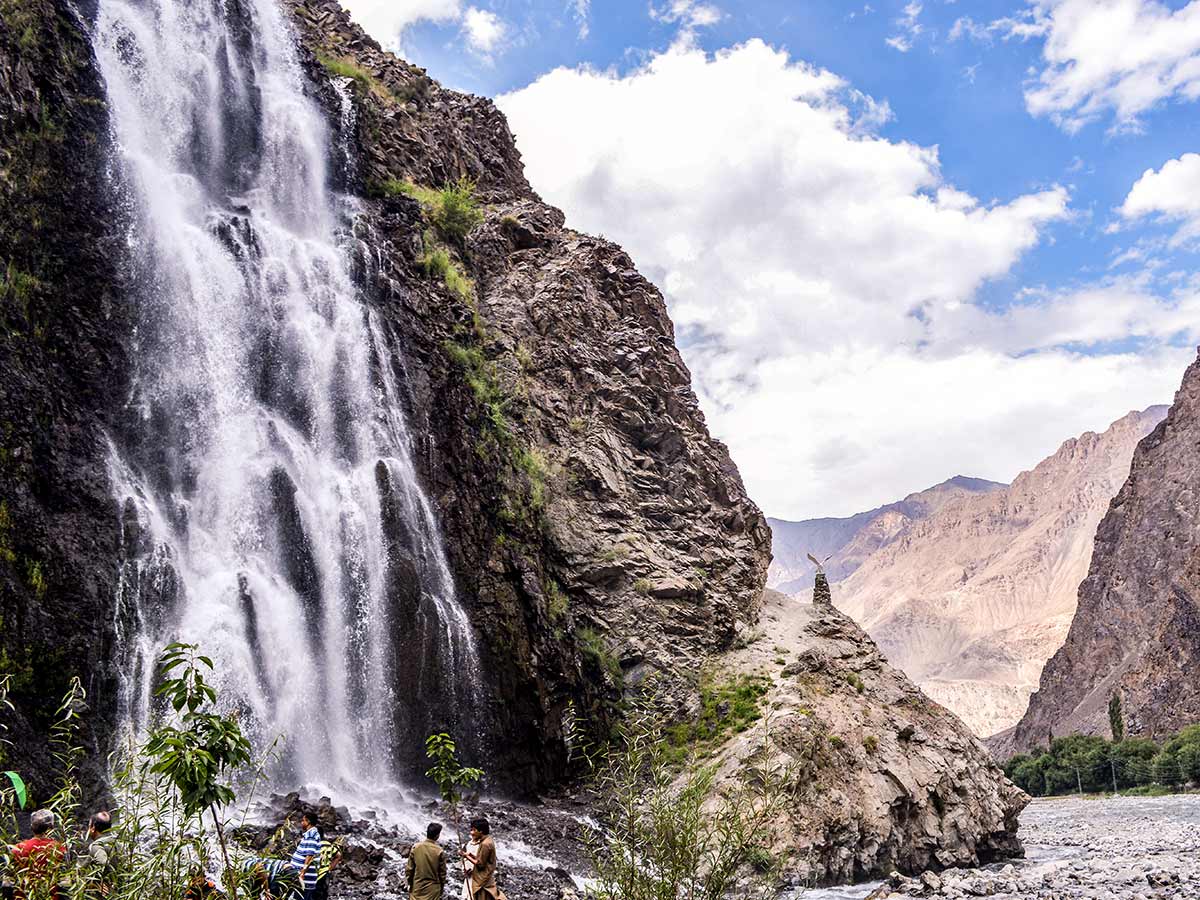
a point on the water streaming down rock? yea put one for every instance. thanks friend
(271, 507)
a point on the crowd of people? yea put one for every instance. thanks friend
(39, 866)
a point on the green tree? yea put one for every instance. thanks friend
(1116, 718)
(450, 776)
(204, 748)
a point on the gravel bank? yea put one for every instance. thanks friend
(1124, 849)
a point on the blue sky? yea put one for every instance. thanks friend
(900, 240)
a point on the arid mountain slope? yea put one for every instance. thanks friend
(850, 540)
(1137, 627)
(972, 600)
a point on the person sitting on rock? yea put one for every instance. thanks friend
(37, 861)
(483, 873)
(426, 869)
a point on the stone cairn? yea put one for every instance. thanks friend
(822, 596)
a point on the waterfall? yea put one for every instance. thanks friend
(271, 509)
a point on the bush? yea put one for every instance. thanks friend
(456, 211)
(174, 793)
(855, 681)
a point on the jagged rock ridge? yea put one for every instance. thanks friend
(971, 600)
(887, 779)
(1137, 626)
(849, 541)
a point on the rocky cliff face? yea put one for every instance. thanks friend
(971, 601)
(887, 778)
(64, 331)
(1137, 626)
(849, 541)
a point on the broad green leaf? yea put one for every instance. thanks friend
(18, 788)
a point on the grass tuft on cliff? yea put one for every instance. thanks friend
(345, 68)
(454, 210)
(438, 263)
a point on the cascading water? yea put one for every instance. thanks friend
(272, 511)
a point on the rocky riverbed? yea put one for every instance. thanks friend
(1125, 849)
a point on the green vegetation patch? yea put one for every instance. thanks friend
(855, 681)
(436, 262)
(347, 68)
(594, 648)
(726, 708)
(453, 209)
(557, 602)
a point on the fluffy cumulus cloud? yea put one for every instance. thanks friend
(1172, 193)
(824, 280)
(484, 29)
(1107, 57)
(385, 20)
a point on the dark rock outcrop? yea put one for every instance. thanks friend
(64, 327)
(1137, 626)
(596, 531)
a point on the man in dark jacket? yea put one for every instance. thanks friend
(426, 868)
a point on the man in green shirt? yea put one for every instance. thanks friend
(426, 868)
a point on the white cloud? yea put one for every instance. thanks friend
(1172, 194)
(966, 27)
(1118, 57)
(843, 431)
(484, 30)
(690, 15)
(581, 10)
(910, 27)
(385, 20)
(823, 280)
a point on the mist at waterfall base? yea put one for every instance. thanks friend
(271, 509)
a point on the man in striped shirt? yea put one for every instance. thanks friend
(307, 856)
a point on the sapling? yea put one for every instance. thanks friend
(449, 775)
(199, 753)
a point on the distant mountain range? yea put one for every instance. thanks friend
(970, 586)
(849, 541)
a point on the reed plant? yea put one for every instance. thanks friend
(174, 797)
